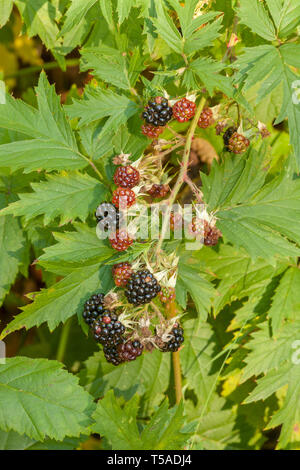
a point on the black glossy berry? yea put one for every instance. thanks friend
(157, 112)
(107, 329)
(176, 341)
(93, 308)
(108, 216)
(142, 287)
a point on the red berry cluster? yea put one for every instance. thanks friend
(159, 190)
(206, 118)
(123, 198)
(211, 233)
(126, 177)
(122, 273)
(184, 110)
(151, 131)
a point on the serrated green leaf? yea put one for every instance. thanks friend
(269, 352)
(12, 250)
(285, 14)
(148, 375)
(67, 196)
(39, 17)
(74, 250)
(97, 104)
(206, 71)
(253, 14)
(5, 11)
(78, 9)
(119, 425)
(52, 144)
(123, 9)
(286, 301)
(48, 399)
(191, 280)
(196, 358)
(112, 66)
(264, 222)
(59, 302)
(273, 67)
(289, 414)
(11, 440)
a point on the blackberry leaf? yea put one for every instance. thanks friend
(47, 397)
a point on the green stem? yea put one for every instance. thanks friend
(64, 340)
(38, 68)
(182, 173)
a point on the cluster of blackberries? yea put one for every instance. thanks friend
(158, 112)
(176, 340)
(142, 287)
(109, 332)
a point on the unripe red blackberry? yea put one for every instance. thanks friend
(238, 143)
(157, 112)
(175, 220)
(120, 240)
(184, 110)
(126, 176)
(206, 118)
(93, 308)
(227, 135)
(211, 234)
(167, 294)
(130, 350)
(159, 190)
(142, 287)
(123, 198)
(108, 217)
(176, 341)
(121, 273)
(107, 329)
(151, 131)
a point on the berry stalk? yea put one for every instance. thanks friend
(182, 173)
(176, 359)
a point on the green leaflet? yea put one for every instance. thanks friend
(43, 394)
(67, 196)
(5, 11)
(264, 219)
(119, 425)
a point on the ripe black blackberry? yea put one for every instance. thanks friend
(112, 355)
(107, 329)
(93, 308)
(176, 341)
(158, 112)
(130, 350)
(108, 217)
(227, 136)
(142, 287)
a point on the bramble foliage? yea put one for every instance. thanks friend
(238, 301)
